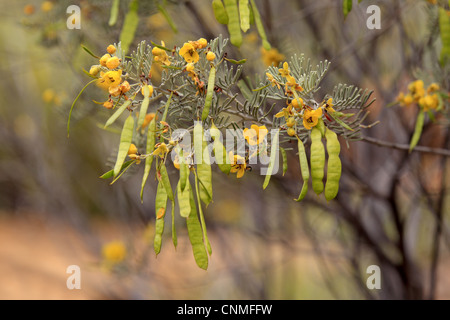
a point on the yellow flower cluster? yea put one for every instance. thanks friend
(110, 78)
(428, 99)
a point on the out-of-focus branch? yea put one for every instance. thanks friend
(401, 146)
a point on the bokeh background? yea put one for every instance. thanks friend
(392, 209)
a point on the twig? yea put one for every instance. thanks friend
(400, 146)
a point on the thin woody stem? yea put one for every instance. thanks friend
(400, 146)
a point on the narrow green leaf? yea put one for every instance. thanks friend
(118, 112)
(195, 235)
(444, 25)
(220, 12)
(418, 130)
(122, 172)
(273, 158)
(168, 18)
(342, 123)
(114, 13)
(129, 25)
(73, 105)
(166, 107)
(259, 26)
(244, 14)
(110, 173)
(90, 52)
(236, 61)
(233, 22)
(144, 107)
(160, 211)
(160, 46)
(151, 140)
(261, 88)
(125, 142)
(209, 93)
(166, 181)
(347, 7)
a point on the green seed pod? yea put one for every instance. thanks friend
(317, 160)
(334, 168)
(219, 12)
(160, 210)
(234, 28)
(125, 142)
(304, 168)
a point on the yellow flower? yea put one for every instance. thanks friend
(210, 56)
(157, 51)
(290, 122)
(112, 63)
(238, 164)
(291, 83)
(46, 6)
(417, 89)
(125, 87)
(190, 67)
(28, 9)
(255, 135)
(114, 252)
(272, 79)
(311, 118)
(329, 105)
(94, 70)
(104, 58)
(285, 112)
(160, 55)
(48, 95)
(150, 89)
(114, 91)
(296, 105)
(433, 87)
(108, 104)
(429, 102)
(285, 71)
(189, 53)
(133, 153)
(161, 150)
(133, 149)
(109, 79)
(111, 49)
(148, 118)
(291, 132)
(271, 57)
(408, 100)
(200, 43)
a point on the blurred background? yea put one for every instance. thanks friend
(392, 209)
